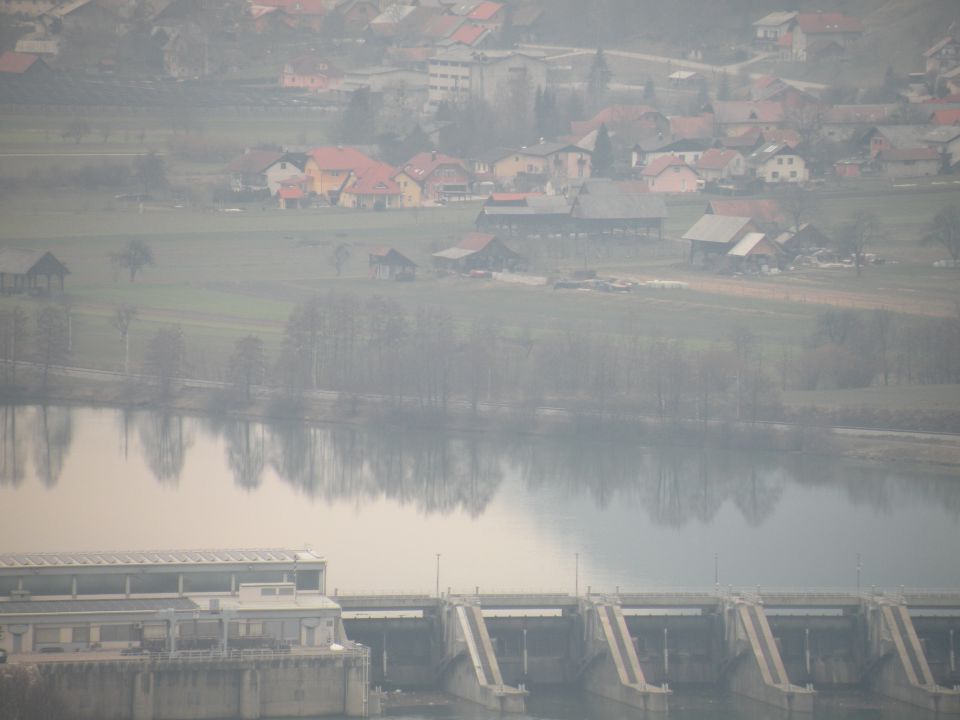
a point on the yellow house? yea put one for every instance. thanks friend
(330, 168)
(411, 194)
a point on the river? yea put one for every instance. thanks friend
(504, 513)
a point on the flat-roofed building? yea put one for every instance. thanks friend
(165, 601)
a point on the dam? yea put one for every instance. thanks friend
(254, 634)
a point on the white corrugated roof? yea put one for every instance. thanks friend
(153, 557)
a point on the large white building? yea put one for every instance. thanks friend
(165, 601)
(461, 73)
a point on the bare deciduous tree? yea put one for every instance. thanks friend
(166, 352)
(50, 340)
(945, 231)
(135, 256)
(123, 317)
(247, 364)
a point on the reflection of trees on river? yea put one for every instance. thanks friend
(245, 452)
(52, 434)
(437, 473)
(673, 484)
(12, 458)
(165, 442)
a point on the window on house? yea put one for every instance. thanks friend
(775, 175)
(46, 635)
(267, 592)
(793, 173)
(283, 166)
(117, 633)
(80, 634)
(790, 161)
(779, 161)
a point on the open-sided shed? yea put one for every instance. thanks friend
(477, 251)
(24, 270)
(386, 263)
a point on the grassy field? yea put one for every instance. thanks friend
(224, 274)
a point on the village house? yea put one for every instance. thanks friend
(30, 271)
(744, 143)
(372, 188)
(947, 116)
(909, 162)
(488, 15)
(533, 167)
(876, 139)
(688, 150)
(477, 251)
(670, 174)
(770, 28)
(386, 263)
(692, 126)
(806, 237)
(461, 73)
(716, 164)
(257, 170)
(432, 177)
(942, 56)
(716, 235)
(840, 123)
(734, 117)
(308, 72)
(331, 169)
(778, 163)
(354, 16)
(817, 33)
(946, 140)
(294, 192)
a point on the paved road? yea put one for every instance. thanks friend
(566, 51)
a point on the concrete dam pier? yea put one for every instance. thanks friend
(775, 648)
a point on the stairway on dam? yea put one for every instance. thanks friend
(611, 668)
(903, 672)
(757, 669)
(470, 669)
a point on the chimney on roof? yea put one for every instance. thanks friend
(433, 155)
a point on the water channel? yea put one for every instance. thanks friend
(503, 512)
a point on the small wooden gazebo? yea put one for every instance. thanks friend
(24, 270)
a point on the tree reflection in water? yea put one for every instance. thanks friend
(52, 436)
(165, 442)
(12, 456)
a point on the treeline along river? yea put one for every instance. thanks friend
(504, 513)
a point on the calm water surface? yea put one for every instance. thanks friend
(504, 513)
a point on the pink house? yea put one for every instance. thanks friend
(670, 174)
(310, 73)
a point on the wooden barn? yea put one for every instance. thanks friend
(477, 251)
(386, 263)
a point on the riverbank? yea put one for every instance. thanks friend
(813, 434)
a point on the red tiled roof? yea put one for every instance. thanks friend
(441, 26)
(697, 126)
(475, 241)
(715, 159)
(812, 23)
(661, 164)
(14, 62)
(510, 197)
(469, 34)
(947, 99)
(787, 136)
(290, 192)
(340, 158)
(422, 164)
(946, 117)
(747, 139)
(376, 179)
(610, 116)
(908, 154)
(485, 11)
(738, 111)
(306, 7)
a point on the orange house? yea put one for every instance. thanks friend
(331, 167)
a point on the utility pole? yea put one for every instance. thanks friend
(438, 575)
(576, 574)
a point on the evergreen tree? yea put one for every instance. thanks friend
(649, 92)
(599, 80)
(357, 121)
(602, 163)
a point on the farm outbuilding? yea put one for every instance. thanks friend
(386, 263)
(477, 251)
(24, 271)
